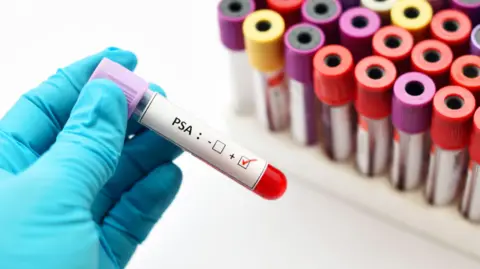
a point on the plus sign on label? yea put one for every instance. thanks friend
(232, 156)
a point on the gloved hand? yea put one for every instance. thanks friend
(76, 190)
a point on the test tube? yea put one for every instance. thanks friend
(155, 112)
(324, 14)
(470, 202)
(475, 41)
(414, 16)
(395, 44)
(413, 94)
(465, 72)
(263, 31)
(433, 58)
(453, 108)
(301, 42)
(382, 8)
(469, 7)
(288, 9)
(231, 14)
(357, 27)
(375, 77)
(334, 86)
(453, 28)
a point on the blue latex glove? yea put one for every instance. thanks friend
(75, 192)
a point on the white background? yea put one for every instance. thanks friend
(213, 223)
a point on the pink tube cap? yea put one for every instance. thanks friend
(133, 86)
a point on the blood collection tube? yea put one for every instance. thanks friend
(465, 72)
(469, 7)
(470, 202)
(357, 27)
(395, 44)
(453, 108)
(301, 42)
(375, 77)
(433, 58)
(382, 8)
(231, 14)
(413, 94)
(324, 14)
(288, 9)
(263, 31)
(155, 112)
(414, 16)
(453, 28)
(475, 41)
(335, 88)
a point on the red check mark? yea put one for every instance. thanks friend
(244, 162)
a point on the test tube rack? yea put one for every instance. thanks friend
(407, 210)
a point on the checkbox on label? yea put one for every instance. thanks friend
(219, 146)
(244, 162)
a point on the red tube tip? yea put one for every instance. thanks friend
(272, 185)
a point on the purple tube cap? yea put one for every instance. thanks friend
(231, 14)
(359, 22)
(133, 86)
(302, 41)
(321, 11)
(413, 94)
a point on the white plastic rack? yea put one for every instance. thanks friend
(409, 210)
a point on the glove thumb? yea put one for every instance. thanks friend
(87, 150)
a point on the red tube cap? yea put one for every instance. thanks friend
(453, 108)
(453, 28)
(333, 75)
(395, 44)
(290, 10)
(375, 77)
(433, 58)
(465, 72)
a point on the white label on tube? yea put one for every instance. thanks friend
(297, 110)
(242, 85)
(363, 148)
(202, 141)
(271, 94)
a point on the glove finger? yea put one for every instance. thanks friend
(133, 217)
(87, 150)
(140, 156)
(40, 114)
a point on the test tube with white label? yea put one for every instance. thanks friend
(375, 77)
(155, 112)
(263, 31)
(411, 116)
(453, 108)
(301, 42)
(231, 14)
(470, 204)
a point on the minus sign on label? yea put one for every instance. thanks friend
(209, 142)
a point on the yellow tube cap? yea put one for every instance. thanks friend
(412, 15)
(263, 31)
